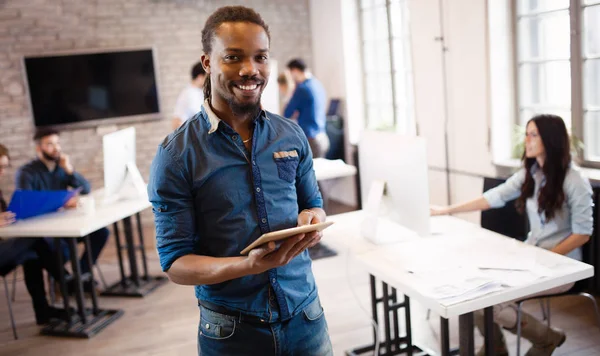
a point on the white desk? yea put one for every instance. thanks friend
(71, 224)
(564, 270)
(330, 169)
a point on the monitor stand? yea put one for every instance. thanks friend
(379, 226)
(133, 186)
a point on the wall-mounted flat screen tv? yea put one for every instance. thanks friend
(90, 89)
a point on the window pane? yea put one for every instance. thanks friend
(402, 94)
(589, 2)
(557, 84)
(545, 36)
(591, 31)
(401, 55)
(381, 117)
(528, 6)
(529, 84)
(547, 84)
(375, 25)
(591, 78)
(591, 131)
(399, 17)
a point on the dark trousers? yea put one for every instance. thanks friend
(34, 278)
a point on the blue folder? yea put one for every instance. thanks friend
(29, 203)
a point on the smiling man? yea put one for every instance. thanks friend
(227, 176)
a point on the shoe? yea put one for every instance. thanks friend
(51, 313)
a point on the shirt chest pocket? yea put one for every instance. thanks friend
(287, 164)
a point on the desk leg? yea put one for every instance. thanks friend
(466, 335)
(86, 241)
(393, 343)
(445, 336)
(488, 316)
(142, 246)
(135, 278)
(63, 282)
(89, 322)
(133, 286)
(120, 254)
(77, 279)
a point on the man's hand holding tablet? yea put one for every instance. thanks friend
(267, 256)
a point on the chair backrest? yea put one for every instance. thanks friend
(591, 250)
(506, 220)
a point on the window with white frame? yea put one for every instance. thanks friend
(558, 65)
(389, 103)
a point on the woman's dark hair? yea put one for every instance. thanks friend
(554, 136)
(222, 15)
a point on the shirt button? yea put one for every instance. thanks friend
(273, 280)
(254, 163)
(264, 221)
(207, 326)
(258, 189)
(272, 298)
(234, 137)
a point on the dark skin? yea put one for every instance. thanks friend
(238, 69)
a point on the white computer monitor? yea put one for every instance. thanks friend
(119, 164)
(399, 161)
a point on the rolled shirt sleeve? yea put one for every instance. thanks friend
(169, 191)
(511, 189)
(580, 200)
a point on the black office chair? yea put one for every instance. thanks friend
(4, 271)
(507, 220)
(590, 254)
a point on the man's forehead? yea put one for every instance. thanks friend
(241, 33)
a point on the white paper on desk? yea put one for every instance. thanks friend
(456, 285)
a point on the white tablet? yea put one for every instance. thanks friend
(282, 234)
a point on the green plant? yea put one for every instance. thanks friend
(518, 143)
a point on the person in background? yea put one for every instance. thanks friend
(53, 170)
(286, 88)
(308, 101)
(33, 254)
(191, 98)
(558, 202)
(229, 175)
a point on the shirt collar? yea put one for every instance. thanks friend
(214, 120)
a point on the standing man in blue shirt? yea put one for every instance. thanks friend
(53, 170)
(309, 101)
(227, 176)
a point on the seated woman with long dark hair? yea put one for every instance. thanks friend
(558, 202)
(33, 254)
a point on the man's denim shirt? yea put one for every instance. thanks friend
(211, 197)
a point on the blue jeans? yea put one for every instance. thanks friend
(303, 335)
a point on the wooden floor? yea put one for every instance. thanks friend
(165, 322)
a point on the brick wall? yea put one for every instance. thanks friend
(173, 27)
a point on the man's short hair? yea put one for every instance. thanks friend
(297, 64)
(42, 132)
(197, 70)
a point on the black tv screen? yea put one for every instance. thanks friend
(82, 88)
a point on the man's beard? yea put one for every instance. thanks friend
(50, 157)
(250, 109)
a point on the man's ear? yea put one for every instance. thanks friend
(205, 60)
